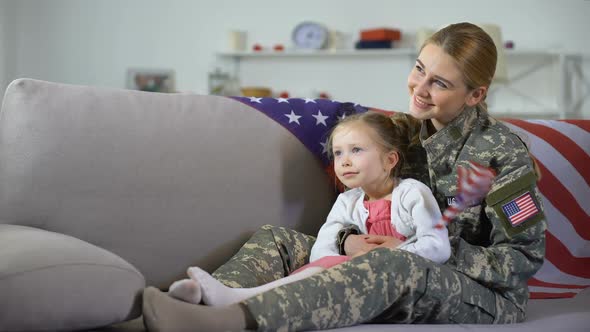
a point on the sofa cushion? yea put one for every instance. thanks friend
(53, 282)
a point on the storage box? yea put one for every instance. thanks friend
(381, 34)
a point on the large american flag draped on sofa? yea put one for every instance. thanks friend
(561, 148)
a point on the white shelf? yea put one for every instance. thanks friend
(369, 52)
(568, 68)
(321, 53)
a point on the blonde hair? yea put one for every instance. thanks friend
(398, 132)
(473, 50)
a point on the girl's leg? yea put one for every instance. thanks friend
(216, 294)
(187, 290)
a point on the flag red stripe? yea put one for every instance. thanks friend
(539, 283)
(527, 206)
(525, 198)
(543, 295)
(528, 209)
(564, 201)
(560, 256)
(561, 143)
(522, 214)
(528, 212)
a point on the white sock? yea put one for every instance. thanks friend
(187, 290)
(216, 294)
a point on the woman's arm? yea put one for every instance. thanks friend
(516, 247)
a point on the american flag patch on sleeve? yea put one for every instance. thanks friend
(520, 209)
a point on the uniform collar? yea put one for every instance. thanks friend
(456, 130)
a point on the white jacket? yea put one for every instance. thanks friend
(414, 211)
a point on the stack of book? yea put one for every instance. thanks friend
(378, 38)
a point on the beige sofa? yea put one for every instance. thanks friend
(104, 191)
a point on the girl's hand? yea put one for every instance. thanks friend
(356, 245)
(383, 241)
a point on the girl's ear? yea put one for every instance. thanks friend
(476, 95)
(392, 159)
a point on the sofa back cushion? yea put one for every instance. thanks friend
(165, 181)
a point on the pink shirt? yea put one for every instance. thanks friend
(378, 223)
(379, 220)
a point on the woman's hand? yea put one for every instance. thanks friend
(356, 245)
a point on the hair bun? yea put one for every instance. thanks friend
(409, 127)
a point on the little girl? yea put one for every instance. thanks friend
(369, 151)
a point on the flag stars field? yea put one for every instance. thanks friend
(320, 118)
(308, 119)
(293, 117)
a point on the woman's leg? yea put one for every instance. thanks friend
(350, 293)
(162, 313)
(216, 294)
(270, 254)
(383, 286)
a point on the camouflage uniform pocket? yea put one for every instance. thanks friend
(478, 305)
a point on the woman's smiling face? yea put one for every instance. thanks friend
(437, 90)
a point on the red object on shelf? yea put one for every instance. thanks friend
(284, 94)
(324, 95)
(381, 34)
(279, 47)
(257, 47)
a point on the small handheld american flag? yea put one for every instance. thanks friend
(473, 183)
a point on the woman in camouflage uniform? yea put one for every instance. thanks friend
(497, 244)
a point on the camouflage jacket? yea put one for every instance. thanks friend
(488, 244)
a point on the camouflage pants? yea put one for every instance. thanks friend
(383, 286)
(271, 253)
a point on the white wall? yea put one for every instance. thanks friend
(5, 37)
(95, 42)
(2, 45)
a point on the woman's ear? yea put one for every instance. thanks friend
(476, 95)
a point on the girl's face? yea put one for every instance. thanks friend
(437, 90)
(359, 161)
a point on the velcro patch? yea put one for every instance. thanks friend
(520, 209)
